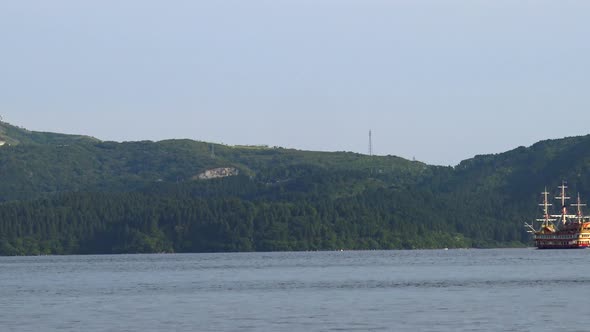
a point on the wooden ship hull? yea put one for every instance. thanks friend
(562, 240)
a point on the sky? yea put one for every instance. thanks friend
(439, 81)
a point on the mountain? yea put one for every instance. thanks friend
(35, 165)
(66, 194)
(13, 135)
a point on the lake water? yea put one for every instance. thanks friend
(429, 290)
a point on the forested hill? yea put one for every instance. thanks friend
(66, 194)
(36, 165)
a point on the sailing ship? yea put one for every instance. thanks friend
(561, 231)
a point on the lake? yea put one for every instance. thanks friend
(421, 290)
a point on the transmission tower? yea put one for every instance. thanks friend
(212, 151)
(370, 143)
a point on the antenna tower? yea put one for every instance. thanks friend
(370, 143)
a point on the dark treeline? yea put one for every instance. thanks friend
(297, 215)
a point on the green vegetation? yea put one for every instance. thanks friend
(64, 194)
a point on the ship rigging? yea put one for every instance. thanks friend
(564, 230)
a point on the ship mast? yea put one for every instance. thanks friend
(546, 221)
(579, 205)
(563, 198)
(545, 206)
(549, 224)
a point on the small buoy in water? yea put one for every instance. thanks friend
(446, 248)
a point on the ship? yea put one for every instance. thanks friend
(561, 231)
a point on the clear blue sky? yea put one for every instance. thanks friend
(437, 80)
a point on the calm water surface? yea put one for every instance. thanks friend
(430, 290)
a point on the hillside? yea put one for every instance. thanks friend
(74, 194)
(44, 164)
(13, 135)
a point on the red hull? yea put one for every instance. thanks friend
(562, 247)
(541, 245)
